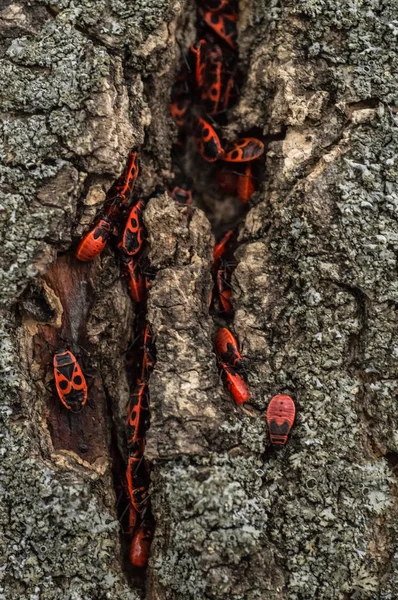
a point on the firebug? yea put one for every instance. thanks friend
(69, 380)
(137, 479)
(235, 384)
(148, 355)
(135, 278)
(93, 243)
(178, 110)
(211, 93)
(220, 248)
(281, 412)
(123, 187)
(182, 193)
(133, 234)
(197, 58)
(226, 348)
(137, 421)
(141, 544)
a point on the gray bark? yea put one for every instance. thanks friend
(315, 293)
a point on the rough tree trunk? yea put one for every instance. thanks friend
(315, 294)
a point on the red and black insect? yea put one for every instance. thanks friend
(197, 60)
(137, 420)
(244, 150)
(93, 243)
(208, 141)
(226, 349)
(135, 278)
(220, 248)
(235, 384)
(133, 234)
(245, 187)
(141, 544)
(182, 193)
(281, 412)
(137, 479)
(148, 354)
(122, 189)
(211, 92)
(224, 25)
(69, 380)
(224, 291)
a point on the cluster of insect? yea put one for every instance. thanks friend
(121, 224)
(205, 89)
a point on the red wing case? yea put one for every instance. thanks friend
(208, 141)
(244, 150)
(69, 381)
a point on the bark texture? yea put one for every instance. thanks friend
(315, 294)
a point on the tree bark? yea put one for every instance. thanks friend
(315, 294)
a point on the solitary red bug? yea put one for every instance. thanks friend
(124, 185)
(235, 384)
(93, 243)
(133, 234)
(208, 141)
(220, 248)
(136, 280)
(245, 186)
(196, 57)
(226, 348)
(224, 25)
(280, 418)
(182, 193)
(137, 479)
(244, 150)
(141, 544)
(69, 380)
(137, 421)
